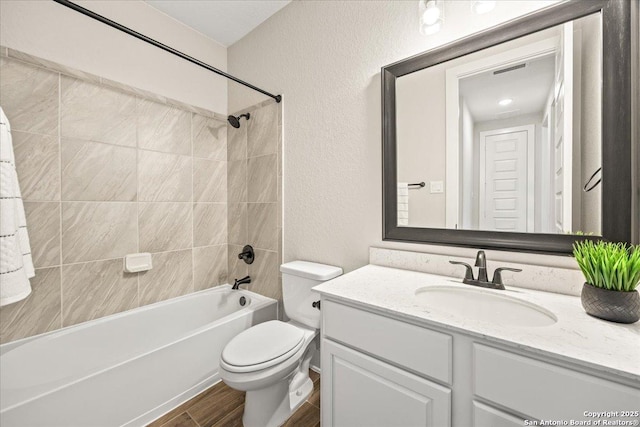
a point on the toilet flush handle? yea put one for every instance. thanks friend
(316, 304)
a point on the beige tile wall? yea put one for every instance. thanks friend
(105, 172)
(254, 180)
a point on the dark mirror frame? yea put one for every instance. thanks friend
(617, 181)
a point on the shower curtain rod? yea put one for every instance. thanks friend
(162, 46)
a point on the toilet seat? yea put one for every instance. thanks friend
(262, 346)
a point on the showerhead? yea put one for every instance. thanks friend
(235, 121)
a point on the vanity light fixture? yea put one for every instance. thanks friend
(483, 6)
(431, 16)
(505, 102)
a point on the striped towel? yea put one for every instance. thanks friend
(403, 203)
(16, 266)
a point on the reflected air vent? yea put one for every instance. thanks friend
(512, 68)
(507, 114)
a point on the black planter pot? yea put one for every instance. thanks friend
(614, 306)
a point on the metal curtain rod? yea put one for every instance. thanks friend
(162, 46)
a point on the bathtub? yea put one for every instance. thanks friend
(127, 369)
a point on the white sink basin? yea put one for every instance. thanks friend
(484, 305)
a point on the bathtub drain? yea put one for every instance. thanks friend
(243, 301)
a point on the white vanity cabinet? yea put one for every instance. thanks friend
(364, 391)
(380, 369)
(360, 388)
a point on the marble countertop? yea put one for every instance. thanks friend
(576, 337)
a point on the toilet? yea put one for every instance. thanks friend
(270, 361)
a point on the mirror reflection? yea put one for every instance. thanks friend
(507, 138)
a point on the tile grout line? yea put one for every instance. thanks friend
(124, 201)
(111, 144)
(280, 190)
(279, 210)
(246, 189)
(178, 415)
(60, 200)
(220, 422)
(275, 153)
(137, 201)
(30, 132)
(120, 258)
(193, 219)
(192, 418)
(226, 166)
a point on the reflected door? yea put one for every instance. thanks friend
(504, 189)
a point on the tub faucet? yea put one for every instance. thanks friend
(238, 282)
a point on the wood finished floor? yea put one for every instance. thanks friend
(222, 406)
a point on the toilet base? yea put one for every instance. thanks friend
(273, 394)
(267, 408)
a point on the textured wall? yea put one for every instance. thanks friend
(255, 197)
(105, 172)
(54, 32)
(325, 58)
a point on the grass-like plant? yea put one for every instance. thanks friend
(613, 266)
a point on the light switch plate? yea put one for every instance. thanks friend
(436, 187)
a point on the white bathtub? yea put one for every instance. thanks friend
(126, 369)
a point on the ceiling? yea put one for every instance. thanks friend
(528, 87)
(225, 21)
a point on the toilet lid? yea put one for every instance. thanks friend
(263, 345)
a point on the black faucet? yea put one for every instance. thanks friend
(238, 282)
(483, 279)
(481, 263)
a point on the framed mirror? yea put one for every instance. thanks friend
(516, 138)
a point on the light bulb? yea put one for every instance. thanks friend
(431, 14)
(505, 102)
(483, 6)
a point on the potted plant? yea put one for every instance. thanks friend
(612, 271)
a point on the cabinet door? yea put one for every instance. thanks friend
(358, 390)
(486, 416)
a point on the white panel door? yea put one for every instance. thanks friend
(504, 181)
(360, 391)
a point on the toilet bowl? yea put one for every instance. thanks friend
(270, 361)
(276, 384)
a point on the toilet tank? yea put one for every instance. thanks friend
(298, 277)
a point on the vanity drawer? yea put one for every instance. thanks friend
(415, 348)
(545, 391)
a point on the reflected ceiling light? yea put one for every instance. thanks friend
(431, 15)
(483, 6)
(505, 102)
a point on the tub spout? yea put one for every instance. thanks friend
(238, 282)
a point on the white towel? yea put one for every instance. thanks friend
(16, 266)
(403, 203)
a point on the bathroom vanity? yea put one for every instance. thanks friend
(397, 350)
